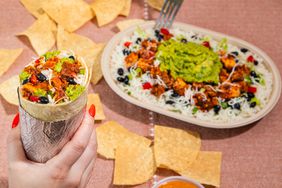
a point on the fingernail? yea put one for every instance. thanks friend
(16, 120)
(92, 110)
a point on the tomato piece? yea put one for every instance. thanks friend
(206, 44)
(251, 59)
(34, 98)
(164, 31)
(252, 89)
(33, 79)
(127, 44)
(147, 85)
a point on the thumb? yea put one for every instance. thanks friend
(15, 147)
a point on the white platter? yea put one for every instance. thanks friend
(275, 95)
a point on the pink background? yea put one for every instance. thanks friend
(252, 155)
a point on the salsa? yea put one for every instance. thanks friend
(178, 184)
(54, 77)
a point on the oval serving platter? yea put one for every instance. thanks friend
(275, 94)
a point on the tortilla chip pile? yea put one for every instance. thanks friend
(136, 160)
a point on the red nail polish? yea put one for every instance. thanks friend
(92, 110)
(16, 120)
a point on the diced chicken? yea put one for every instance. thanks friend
(151, 45)
(223, 75)
(204, 102)
(228, 62)
(144, 64)
(180, 86)
(209, 91)
(131, 59)
(229, 91)
(146, 54)
(157, 90)
(70, 69)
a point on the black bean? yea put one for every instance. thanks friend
(160, 37)
(174, 94)
(72, 57)
(25, 81)
(235, 53)
(237, 106)
(120, 71)
(169, 102)
(120, 79)
(253, 104)
(250, 95)
(244, 50)
(216, 109)
(256, 62)
(184, 40)
(43, 100)
(138, 40)
(157, 33)
(194, 37)
(253, 74)
(41, 77)
(126, 52)
(126, 80)
(71, 81)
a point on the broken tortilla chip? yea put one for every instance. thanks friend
(134, 164)
(7, 58)
(156, 4)
(97, 73)
(34, 7)
(126, 9)
(95, 99)
(107, 11)
(41, 34)
(111, 134)
(8, 89)
(83, 47)
(71, 14)
(175, 149)
(122, 25)
(205, 169)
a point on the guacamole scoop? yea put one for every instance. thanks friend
(190, 61)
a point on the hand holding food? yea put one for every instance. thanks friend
(72, 167)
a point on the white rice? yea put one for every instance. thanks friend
(182, 104)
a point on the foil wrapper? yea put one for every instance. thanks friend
(43, 140)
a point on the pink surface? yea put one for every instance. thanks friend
(252, 155)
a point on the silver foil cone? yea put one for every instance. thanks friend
(43, 140)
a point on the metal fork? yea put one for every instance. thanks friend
(168, 13)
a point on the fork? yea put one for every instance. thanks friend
(168, 13)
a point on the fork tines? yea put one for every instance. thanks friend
(168, 13)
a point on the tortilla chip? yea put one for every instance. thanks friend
(34, 7)
(7, 58)
(156, 4)
(95, 99)
(71, 14)
(133, 165)
(97, 73)
(111, 135)
(175, 149)
(205, 169)
(126, 9)
(41, 34)
(81, 46)
(107, 11)
(8, 89)
(122, 25)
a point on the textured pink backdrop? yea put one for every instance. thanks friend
(252, 155)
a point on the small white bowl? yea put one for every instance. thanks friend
(177, 178)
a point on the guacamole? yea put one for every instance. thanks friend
(190, 61)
